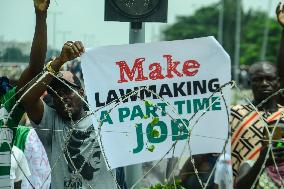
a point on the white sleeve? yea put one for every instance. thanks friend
(19, 165)
(38, 162)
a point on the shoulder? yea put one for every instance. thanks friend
(21, 136)
(49, 109)
(241, 110)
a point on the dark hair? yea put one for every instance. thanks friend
(257, 65)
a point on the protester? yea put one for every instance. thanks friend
(9, 118)
(68, 127)
(19, 167)
(204, 164)
(248, 131)
(160, 173)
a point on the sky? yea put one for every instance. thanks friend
(84, 20)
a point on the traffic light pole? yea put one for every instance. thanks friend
(134, 172)
(136, 32)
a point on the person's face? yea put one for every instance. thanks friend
(264, 82)
(72, 104)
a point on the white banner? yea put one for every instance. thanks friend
(183, 75)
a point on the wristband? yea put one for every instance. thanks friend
(50, 69)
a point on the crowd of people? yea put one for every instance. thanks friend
(47, 137)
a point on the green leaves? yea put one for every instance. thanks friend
(204, 22)
(168, 185)
(279, 145)
(145, 117)
(151, 148)
(155, 133)
(148, 103)
(154, 121)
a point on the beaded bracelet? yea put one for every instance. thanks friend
(50, 69)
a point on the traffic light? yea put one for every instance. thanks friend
(136, 11)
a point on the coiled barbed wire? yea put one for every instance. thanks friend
(115, 103)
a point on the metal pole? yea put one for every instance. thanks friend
(221, 22)
(237, 42)
(64, 34)
(54, 27)
(134, 172)
(136, 33)
(265, 34)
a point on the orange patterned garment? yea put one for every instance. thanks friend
(248, 132)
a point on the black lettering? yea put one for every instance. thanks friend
(165, 91)
(147, 94)
(213, 85)
(112, 96)
(98, 103)
(178, 89)
(197, 86)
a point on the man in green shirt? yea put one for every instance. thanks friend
(10, 111)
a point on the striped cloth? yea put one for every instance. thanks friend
(7, 132)
(248, 132)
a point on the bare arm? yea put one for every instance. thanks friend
(39, 46)
(280, 58)
(247, 174)
(31, 100)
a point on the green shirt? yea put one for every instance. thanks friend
(7, 102)
(21, 137)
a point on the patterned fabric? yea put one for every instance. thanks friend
(247, 132)
(7, 133)
(38, 163)
(28, 142)
(265, 182)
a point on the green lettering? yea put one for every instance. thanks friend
(163, 107)
(140, 143)
(216, 103)
(179, 105)
(105, 117)
(188, 103)
(151, 110)
(200, 104)
(136, 112)
(179, 129)
(123, 113)
(163, 132)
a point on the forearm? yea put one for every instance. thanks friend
(38, 51)
(40, 86)
(246, 180)
(39, 45)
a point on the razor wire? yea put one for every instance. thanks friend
(112, 105)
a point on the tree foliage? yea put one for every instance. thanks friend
(14, 54)
(205, 23)
(167, 185)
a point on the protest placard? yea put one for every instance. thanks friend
(182, 76)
